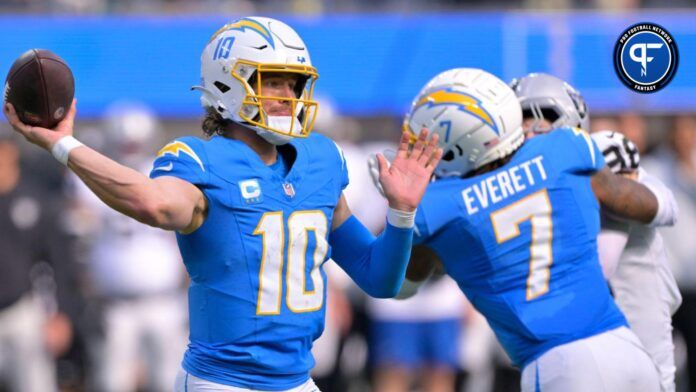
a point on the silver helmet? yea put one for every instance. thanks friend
(546, 97)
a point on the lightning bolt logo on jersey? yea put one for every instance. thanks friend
(521, 243)
(258, 289)
(177, 147)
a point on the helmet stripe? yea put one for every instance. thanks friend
(246, 23)
(465, 102)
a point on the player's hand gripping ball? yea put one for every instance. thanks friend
(40, 86)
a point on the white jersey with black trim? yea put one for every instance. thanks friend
(643, 285)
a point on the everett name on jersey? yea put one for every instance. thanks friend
(521, 243)
(257, 293)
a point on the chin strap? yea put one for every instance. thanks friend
(282, 123)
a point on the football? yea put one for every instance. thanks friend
(40, 86)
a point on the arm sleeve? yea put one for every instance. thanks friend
(377, 265)
(667, 208)
(611, 242)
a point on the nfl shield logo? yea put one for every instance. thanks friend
(289, 190)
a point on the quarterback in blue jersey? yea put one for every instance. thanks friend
(515, 224)
(258, 208)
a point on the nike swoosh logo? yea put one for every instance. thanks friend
(168, 167)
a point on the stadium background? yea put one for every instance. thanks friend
(372, 58)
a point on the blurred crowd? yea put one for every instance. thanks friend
(315, 7)
(93, 301)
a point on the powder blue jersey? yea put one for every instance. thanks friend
(521, 243)
(258, 289)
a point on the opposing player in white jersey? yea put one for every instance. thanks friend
(634, 260)
(633, 256)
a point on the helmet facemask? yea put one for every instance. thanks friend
(303, 109)
(545, 114)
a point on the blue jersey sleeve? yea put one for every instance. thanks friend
(431, 216)
(578, 151)
(183, 158)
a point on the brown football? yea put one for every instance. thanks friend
(40, 86)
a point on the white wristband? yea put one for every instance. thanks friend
(401, 219)
(61, 150)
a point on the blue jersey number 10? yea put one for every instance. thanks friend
(298, 299)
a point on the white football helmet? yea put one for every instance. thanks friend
(477, 116)
(233, 65)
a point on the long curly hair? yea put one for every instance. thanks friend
(213, 123)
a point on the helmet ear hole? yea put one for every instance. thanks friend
(222, 86)
(449, 155)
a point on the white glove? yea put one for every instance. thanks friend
(373, 166)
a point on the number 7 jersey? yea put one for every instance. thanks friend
(257, 292)
(521, 243)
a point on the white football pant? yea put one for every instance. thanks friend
(613, 361)
(187, 382)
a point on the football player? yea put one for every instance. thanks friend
(258, 208)
(515, 224)
(633, 256)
